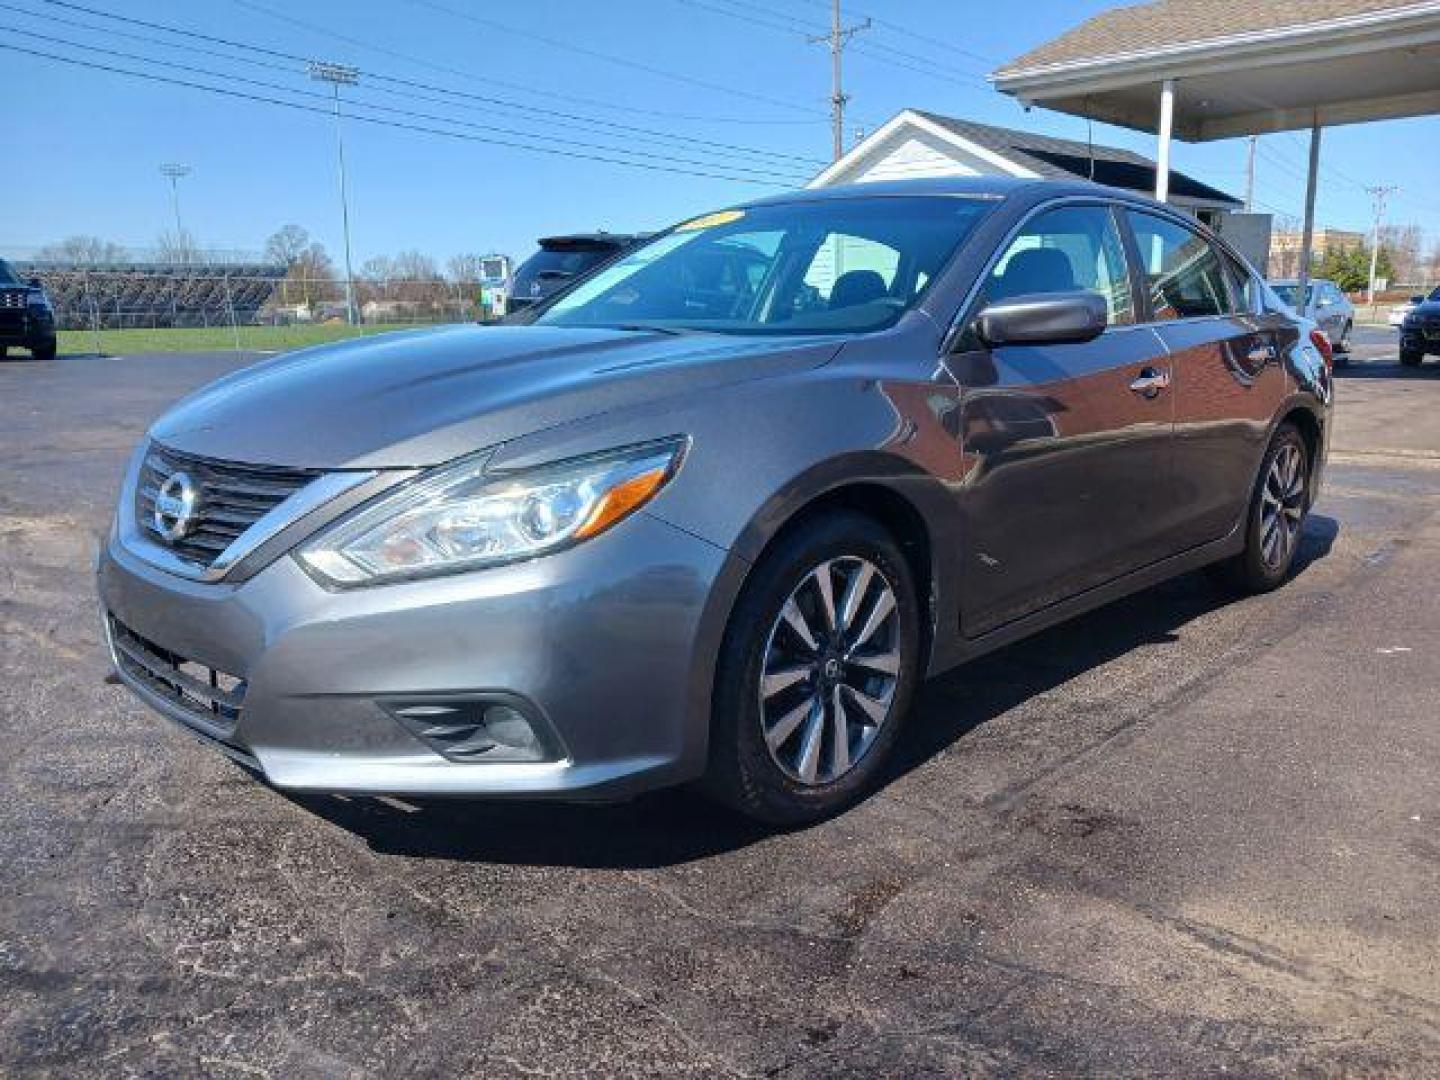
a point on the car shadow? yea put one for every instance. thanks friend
(670, 828)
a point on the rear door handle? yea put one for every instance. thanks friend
(1150, 382)
(1261, 354)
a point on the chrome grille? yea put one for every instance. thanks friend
(13, 298)
(212, 698)
(232, 498)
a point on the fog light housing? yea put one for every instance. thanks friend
(482, 728)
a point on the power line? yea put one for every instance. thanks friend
(948, 47)
(299, 63)
(489, 80)
(410, 114)
(838, 37)
(376, 121)
(608, 58)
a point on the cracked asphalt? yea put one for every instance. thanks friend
(1177, 837)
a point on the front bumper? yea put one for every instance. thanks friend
(26, 327)
(1420, 338)
(610, 643)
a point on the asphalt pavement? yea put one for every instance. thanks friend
(1180, 836)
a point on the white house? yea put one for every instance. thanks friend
(919, 144)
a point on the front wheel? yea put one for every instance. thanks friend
(816, 672)
(1277, 516)
(44, 350)
(1411, 358)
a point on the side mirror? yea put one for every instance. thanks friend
(1418, 298)
(35, 283)
(1067, 318)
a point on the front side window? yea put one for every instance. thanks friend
(1064, 250)
(8, 276)
(825, 266)
(1183, 274)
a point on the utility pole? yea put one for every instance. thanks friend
(338, 75)
(1250, 175)
(174, 172)
(838, 37)
(1379, 194)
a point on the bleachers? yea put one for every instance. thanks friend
(156, 294)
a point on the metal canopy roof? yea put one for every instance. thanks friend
(1240, 67)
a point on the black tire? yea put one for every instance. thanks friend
(1411, 358)
(743, 774)
(1252, 571)
(44, 350)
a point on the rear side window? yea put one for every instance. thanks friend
(1183, 273)
(1062, 250)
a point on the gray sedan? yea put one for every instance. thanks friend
(714, 514)
(1328, 306)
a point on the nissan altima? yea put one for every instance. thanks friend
(717, 510)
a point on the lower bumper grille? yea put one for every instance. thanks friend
(211, 698)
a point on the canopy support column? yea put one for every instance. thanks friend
(1307, 234)
(1162, 150)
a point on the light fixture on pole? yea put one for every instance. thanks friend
(338, 75)
(174, 171)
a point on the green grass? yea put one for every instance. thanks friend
(199, 339)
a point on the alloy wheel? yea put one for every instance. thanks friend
(1282, 506)
(831, 667)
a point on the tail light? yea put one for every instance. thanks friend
(1322, 343)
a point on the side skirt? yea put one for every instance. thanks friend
(963, 649)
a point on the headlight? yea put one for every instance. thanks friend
(40, 300)
(460, 517)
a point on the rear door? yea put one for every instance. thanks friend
(1228, 378)
(1067, 447)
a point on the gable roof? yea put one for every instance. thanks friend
(1065, 159)
(1167, 24)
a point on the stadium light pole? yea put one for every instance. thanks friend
(338, 75)
(174, 172)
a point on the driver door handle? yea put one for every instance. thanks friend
(1150, 382)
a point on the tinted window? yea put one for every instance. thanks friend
(1182, 271)
(8, 276)
(1074, 247)
(547, 270)
(815, 266)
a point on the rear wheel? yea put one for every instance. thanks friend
(1277, 516)
(44, 350)
(1342, 346)
(1411, 358)
(816, 672)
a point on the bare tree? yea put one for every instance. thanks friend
(178, 248)
(286, 245)
(311, 276)
(1402, 243)
(84, 251)
(465, 268)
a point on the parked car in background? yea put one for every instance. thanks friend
(1399, 311)
(715, 511)
(27, 320)
(1420, 332)
(1328, 306)
(559, 261)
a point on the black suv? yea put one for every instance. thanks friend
(560, 260)
(1420, 332)
(26, 317)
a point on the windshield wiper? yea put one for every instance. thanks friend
(648, 328)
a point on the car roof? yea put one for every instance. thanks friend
(596, 238)
(992, 187)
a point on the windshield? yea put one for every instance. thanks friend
(829, 266)
(8, 276)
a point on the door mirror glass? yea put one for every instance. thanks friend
(1043, 319)
(1418, 298)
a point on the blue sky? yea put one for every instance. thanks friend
(733, 72)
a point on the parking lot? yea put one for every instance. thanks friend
(1180, 836)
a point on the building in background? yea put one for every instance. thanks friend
(1285, 248)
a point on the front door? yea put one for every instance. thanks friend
(1067, 447)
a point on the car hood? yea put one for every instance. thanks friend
(1427, 311)
(419, 398)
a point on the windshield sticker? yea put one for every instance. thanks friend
(709, 221)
